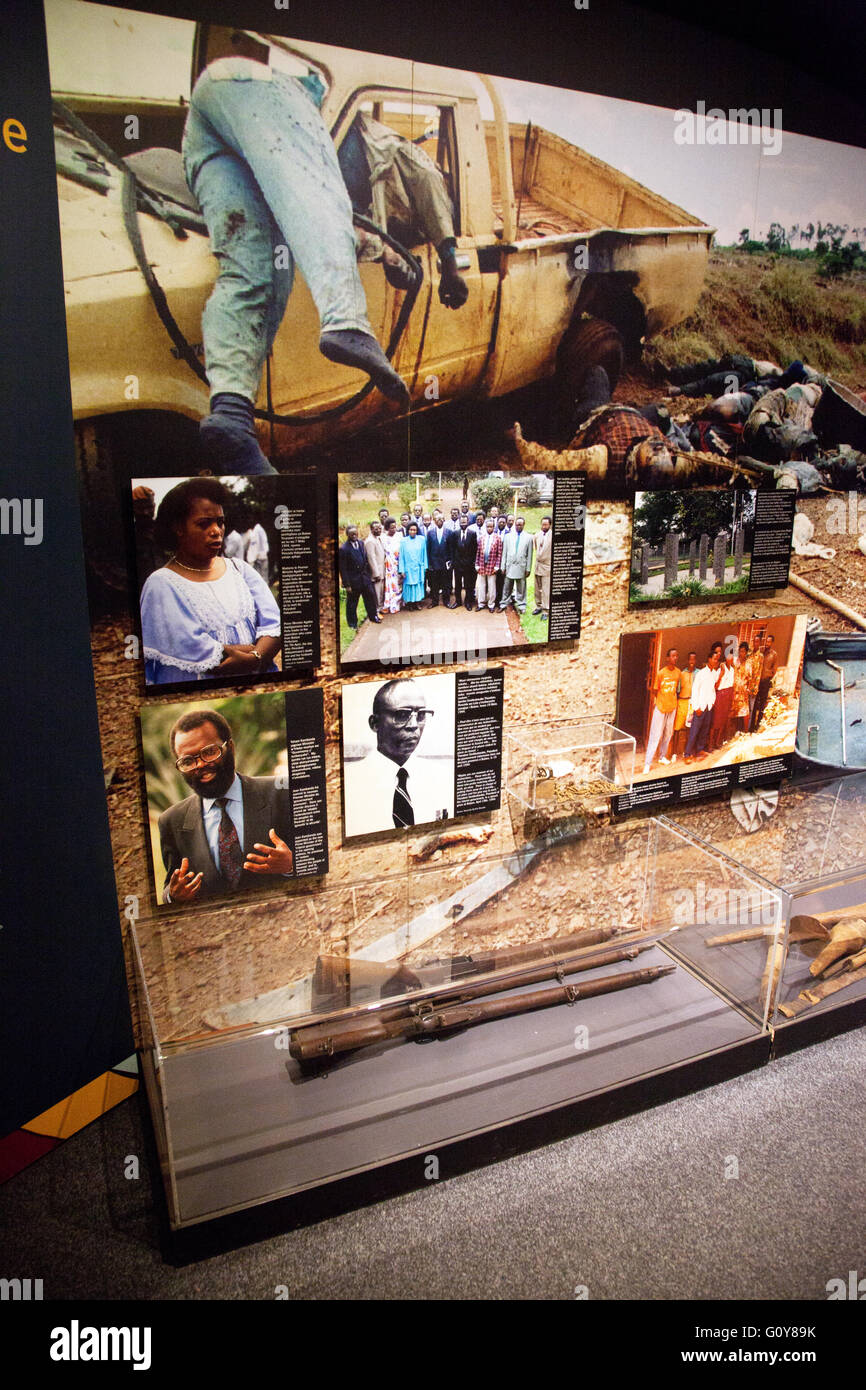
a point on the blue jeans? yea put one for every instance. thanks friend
(260, 161)
(699, 733)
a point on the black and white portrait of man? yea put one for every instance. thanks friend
(398, 753)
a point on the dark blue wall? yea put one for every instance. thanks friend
(64, 1015)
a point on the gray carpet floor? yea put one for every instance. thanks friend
(638, 1209)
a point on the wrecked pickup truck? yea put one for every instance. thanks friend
(569, 263)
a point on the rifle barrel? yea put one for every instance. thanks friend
(338, 978)
(534, 950)
(464, 1015)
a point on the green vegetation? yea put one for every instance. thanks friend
(686, 589)
(734, 586)
(769, 305)
(406, 496)
(360, 513)
(657, 568)
(689, 588)
(534, 627)
(492, 492)
(692, 513)
(346, 633)
(832, 254)
(258, 729)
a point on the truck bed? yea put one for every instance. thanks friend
(561, 189)
(537, 219)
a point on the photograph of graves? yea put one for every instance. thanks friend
(703, 697)
(691, 546)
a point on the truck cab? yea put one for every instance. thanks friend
(569, 262)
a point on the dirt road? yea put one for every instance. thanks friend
(426, 636)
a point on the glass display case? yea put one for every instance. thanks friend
(809, 840)
(291, 1042)
(556, 767)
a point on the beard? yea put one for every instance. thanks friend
(218, 785)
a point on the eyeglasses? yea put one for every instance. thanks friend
(402, 717)
(211, 753)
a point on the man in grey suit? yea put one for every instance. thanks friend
(216, 841)
(376, 560)
(515, 565)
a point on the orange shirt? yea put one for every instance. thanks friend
(665, 689)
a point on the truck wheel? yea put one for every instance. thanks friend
(588, 343)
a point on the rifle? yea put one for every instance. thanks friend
(447, 1010)
(346, 979)
(288, 1001)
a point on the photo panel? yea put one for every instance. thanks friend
(435, 568)
(227, 579)
(710, 707)
(701, 545)
(421, 750)
(516, 235)
(235, 792)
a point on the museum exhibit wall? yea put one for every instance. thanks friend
(65, 1011)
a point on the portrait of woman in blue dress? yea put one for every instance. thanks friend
(204, 616)
(413, 566)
